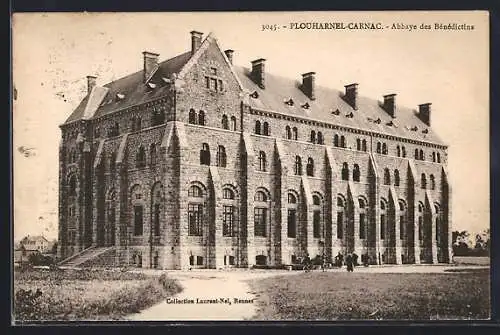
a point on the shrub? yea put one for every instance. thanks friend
(27, 304)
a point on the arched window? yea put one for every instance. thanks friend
(72, 186)
(362, 219)
(313, 136)
(320, 138)
(336, 140)
(316, 200)
(379, 148)
(221, 156)
(358, 144)
(340, 217)
(195, 192)
(342, 141)
(364, 145)
(398, 149)
(420, 221)
(438, 157)
(201, 118)
(288, 132)
(416, 153)
(345, 171)
(227, 193)
(157, 197)
(205, 154)
(383, 217)
(318, 231)
(355, 173)
(257, 127)
(396, 177)
(265, 129)
(152, 154)
(292, 216)
(295, 133)
(233, 123)
(298, 166)
(225, 122)
(403, 151)
(140, 157)
(421, 155)
(260, 196)
(262, 161)
(310, 167)
(423, 182)
(192, 116)
(433, 182)
(387, 177)
(292, 199)
(433, 157)
(384, 149)
(402, 220)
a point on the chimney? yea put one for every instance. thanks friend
(229, 55)
(424, 112)
(308, 84)
(390, 104)
(258, 72)
(150, 63)
(195, 41)
(91, 82)
(351, 95)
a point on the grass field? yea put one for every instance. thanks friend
(86, 294)
(471, 260)
(376, 296)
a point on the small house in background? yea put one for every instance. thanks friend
(24, 252)
(38, 242)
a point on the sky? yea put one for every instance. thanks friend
(54, 52)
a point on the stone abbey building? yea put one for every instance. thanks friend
(196, 162)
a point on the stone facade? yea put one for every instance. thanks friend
(183, 169)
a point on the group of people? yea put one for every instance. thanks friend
(351, 260)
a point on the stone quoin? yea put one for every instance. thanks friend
(196, 162)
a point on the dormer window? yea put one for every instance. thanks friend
(289, 102)
(415, 128)
(120, 96)
(425, 131)
(254, 95)
(350, 115)
(377, 121)
(390, 123)
(213, 71)
(305, 106)
(336, 112)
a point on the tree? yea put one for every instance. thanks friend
(460, 245)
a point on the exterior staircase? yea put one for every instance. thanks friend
(87, 257)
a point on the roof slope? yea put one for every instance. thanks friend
(279, 89)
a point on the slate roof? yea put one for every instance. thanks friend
(280, 89)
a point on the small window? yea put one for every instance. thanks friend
(201, 118)
(298, 166)
(345, 171)
(152, 154)
(438, 157)
(260, 196)
(265, 129)
(423, 183)
(364, 145)
(316, 200)
(403, 151)
(257, 127)
(396, 177)
(384, 149)
(358, 144)
(221, 85)
(310, 167)
(416, 154)
(336, 140)
(342, 141)
(382, 205)
(398, 149)
(340, 225)
(227, 193)
(362, 203)
(295, 133)
(379, 148)
(213, 71)
(362, 226)
(433, 182)
(320, 137)
(228, 219)
(313, 136)
(260, 222)
(387, 177)
(433, 157)
(288, 132)
(225, 122)
(262, 161)
(421, 155)
(356, 173)
(199, 260)
(292, 199)
(192, 116)
(140, 158)
(233, 123)
(195, 192)
(221, 156)
(317, 231)
(195, 219)
(205, 154)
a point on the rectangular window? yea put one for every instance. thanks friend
(231, 260)
(199, 260)
(362, 225)
(138, 220)
(213, 71)
(221, 86)
(213, 84)
(317, 224)
(191, 260)
(207, 82)
(260, 218)
(340, 225)
(382, 226)
(292, 223)
(157, 220)
(228, 221)
(195, 217)
(401, 227)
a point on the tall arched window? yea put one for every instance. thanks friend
(140, 157)
(229, 213)
(152, 154)
(355, 173)
(310, 167)
(384, 149)
(292, 215)
(433, 157)
(262, 161)
(320, 138)
(336, 140)
(423, 181)
(196, 218)
(205, 154)
(257, 127)
(379, 148)
(260, 214)
(396, 177)
(358, 144)
(402, 220)
(340, 217)
(342, 141)
(298, 166)
(421, 155)
(201, 118)
(295, 133)
(265, 129)
(364, 145)
(398, 149)
(345, 171)
(157, 204)
(387, 177)
(383, 218)
(433, 182)
(221, 156)
(438, 157)
(362, 219)
(192, 116)
(138, 210)
(420, 221)
(233, 123)
(288, 132)
(313, 136)
(416, 153)
(225, 122)
(403, 151)
(318, 229)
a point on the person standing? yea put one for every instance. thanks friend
(348, 262)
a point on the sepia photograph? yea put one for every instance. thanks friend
(249, 166)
